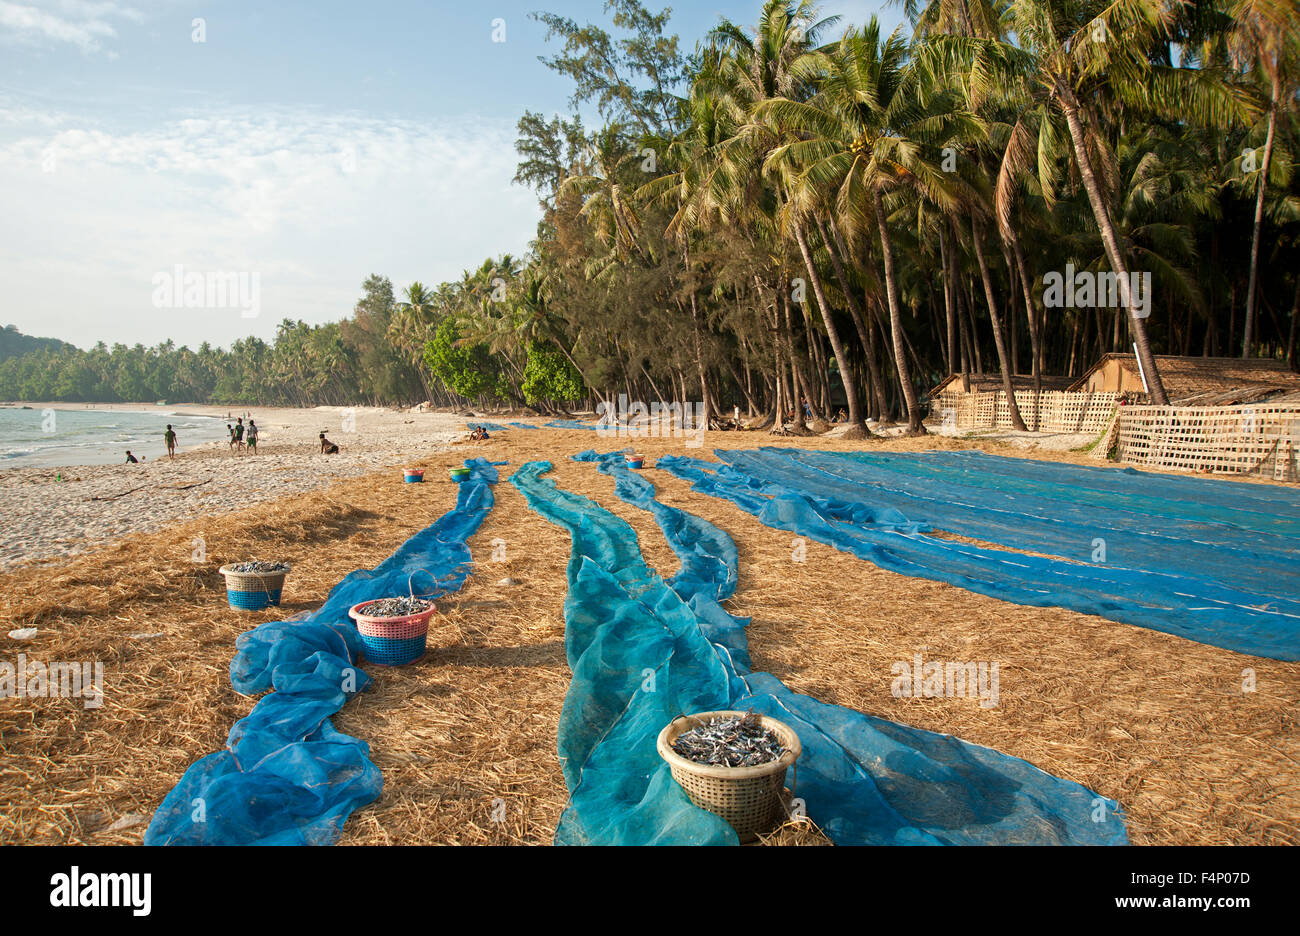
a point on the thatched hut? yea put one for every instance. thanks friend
(992, 383)
(1199, 381)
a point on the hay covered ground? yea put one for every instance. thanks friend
(466, 738)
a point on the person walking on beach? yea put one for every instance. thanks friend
(252, 437)
(239, 434)
(170, 438)
(131, 459)
(231, 429)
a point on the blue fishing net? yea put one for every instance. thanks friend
(487, 426)
(287, 776)
(1211, 561)
(643, 651)
(570, 424)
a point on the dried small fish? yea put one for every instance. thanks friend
(396, 607)
(730, 741)
(259, 568)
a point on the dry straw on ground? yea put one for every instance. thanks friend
(466, 738)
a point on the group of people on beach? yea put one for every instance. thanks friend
(241, 436)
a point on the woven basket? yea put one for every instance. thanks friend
(392, 641)
(749, 798)
(253, 591)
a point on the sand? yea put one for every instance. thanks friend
(1157, 722)
(44, 518)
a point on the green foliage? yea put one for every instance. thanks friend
(14, 343)
(550, 378)
(468, 369)
(307, 365)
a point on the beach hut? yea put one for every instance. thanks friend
(992, 383)
(984, 404)
(1226, 415)
(1194, 380)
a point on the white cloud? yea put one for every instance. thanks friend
(75, 22)
(314, 203)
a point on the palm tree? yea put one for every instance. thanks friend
(1265, 38)
(867, 135)
(727, 182)
(411, 327)
(1076, 57)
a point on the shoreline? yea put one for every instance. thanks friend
(92, 505)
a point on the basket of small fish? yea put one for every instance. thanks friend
(635, 460)
(252, 586)
(394, 631)
(733, 764)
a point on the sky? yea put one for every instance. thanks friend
(145, 144)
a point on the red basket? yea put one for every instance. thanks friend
(390, 628)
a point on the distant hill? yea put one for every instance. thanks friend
(14, 343)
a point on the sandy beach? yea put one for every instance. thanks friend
(46, 518)
(1132, 713)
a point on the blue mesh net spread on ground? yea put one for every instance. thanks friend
(287, 776)
(1212, 561)
(643, 651)
(570, 424)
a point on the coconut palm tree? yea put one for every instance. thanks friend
(869, 135)
(1265, 38)
(1085, 59)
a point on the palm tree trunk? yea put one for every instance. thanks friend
(1259, 218)
(865, 335)
(856, 421)
(1111, 241)
(1290, 340)
(999, 340)
(798, 383)
(1035, 339)
(949, 301)
(914, 426)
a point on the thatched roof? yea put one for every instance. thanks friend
(1206, 379)
(992, 383)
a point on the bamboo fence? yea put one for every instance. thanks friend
(1258, 439)
(1057, 410)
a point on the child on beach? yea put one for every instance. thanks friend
(479, 434)
(231, 429)
(170, 438)
(239, 433)
(252, 436)
(131, 459)
(327, 447)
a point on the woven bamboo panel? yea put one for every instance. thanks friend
(1258, 439)
(1101, 451)
(1058, 410)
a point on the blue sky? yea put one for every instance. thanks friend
(309, 143)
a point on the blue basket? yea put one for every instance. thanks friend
(388, 652)
(253, 600)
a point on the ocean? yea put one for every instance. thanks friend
(50, 438)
